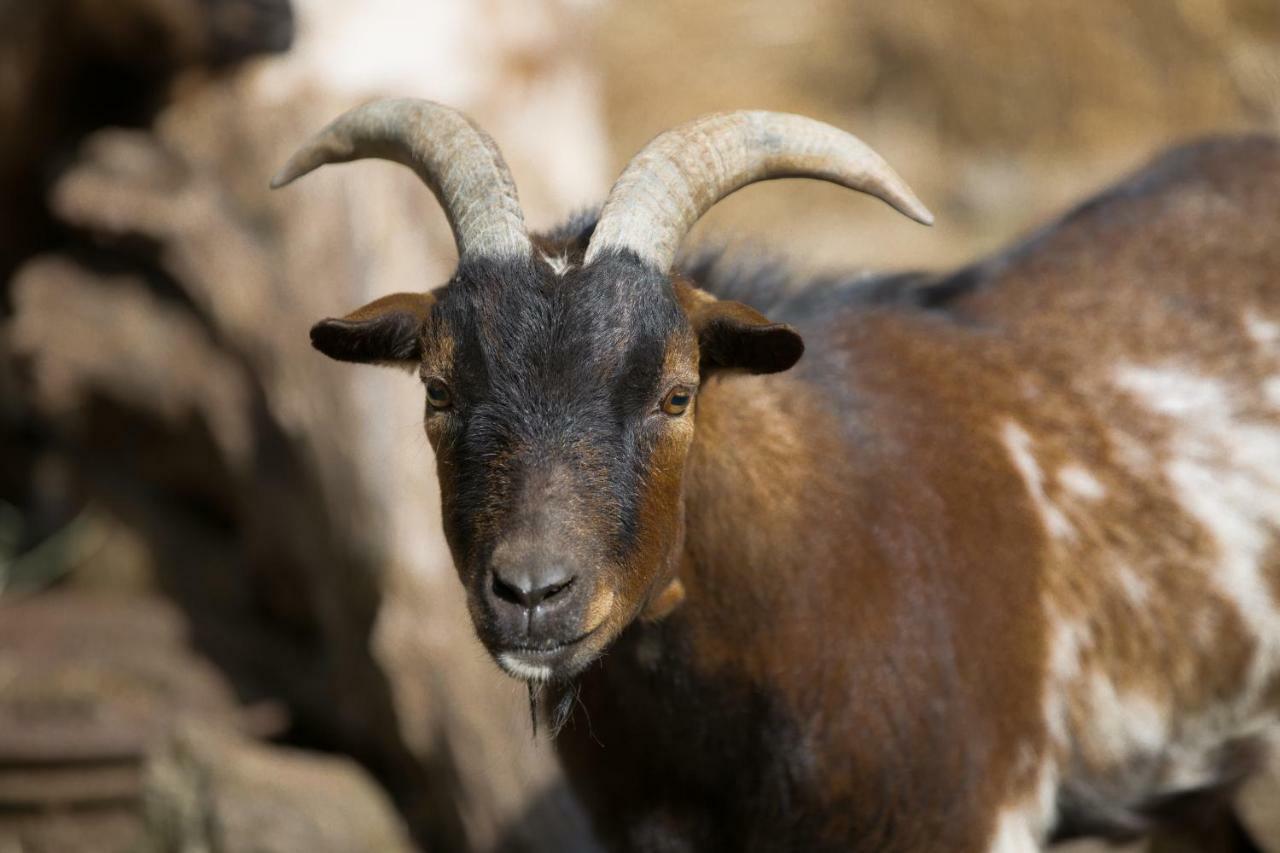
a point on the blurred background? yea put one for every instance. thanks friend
(228, 620)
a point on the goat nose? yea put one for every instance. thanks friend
(530, 590)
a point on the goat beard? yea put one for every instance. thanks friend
(561, 708)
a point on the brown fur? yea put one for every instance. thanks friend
(893, 593)
(990, 565)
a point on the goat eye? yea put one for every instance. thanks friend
(677, 400)
(438, 394)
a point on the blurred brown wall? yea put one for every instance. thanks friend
(998, 112)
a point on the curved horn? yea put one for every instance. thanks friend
(678, 176)
(456, 159)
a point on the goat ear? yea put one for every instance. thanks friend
(387, 331)
(733, 336)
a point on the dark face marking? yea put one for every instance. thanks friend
(561, 410)
(559, 466)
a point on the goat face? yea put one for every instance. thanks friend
(560, 402)
(561, 409)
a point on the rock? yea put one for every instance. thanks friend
(211, 791)
(299, 536)
(88, 685)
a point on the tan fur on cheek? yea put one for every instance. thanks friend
(599, 609)
(660, 515)
(665, 602)
(648, 566)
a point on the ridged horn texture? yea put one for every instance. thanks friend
(678, 176)
(457, 160)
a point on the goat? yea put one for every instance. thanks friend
(996, 564)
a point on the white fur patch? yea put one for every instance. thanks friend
(1077, 480)
(1226, 472)
(1069, 638)
(1019, 443)
(1221, 463)
(1123, 725)
(1135, 586)
(1038, 808)
(523, 670)
(1265, 333)
(1013, 834)
(1271, 390)
(1045, 813)
(559, 263)
(1131, 452)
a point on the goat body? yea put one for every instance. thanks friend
(996, 562)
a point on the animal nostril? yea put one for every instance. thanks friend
(551, 590)
(529, 594)
(506, 591)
